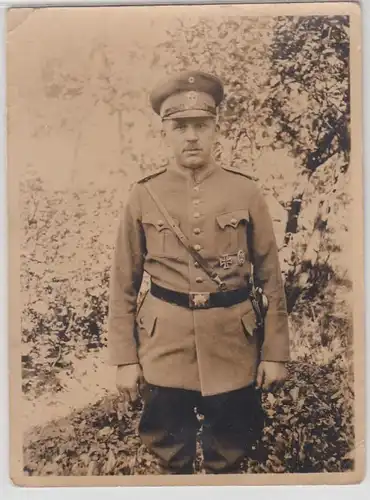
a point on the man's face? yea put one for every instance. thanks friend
(191, 139)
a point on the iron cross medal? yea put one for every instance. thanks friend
(226, 261)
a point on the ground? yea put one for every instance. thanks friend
(308, 429)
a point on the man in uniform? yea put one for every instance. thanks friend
(194, 339)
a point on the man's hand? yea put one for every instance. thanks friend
(271, 375)
(128, 379)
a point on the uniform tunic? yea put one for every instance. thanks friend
(227, 220)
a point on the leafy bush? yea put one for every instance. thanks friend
(308, 429)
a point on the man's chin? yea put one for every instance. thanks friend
(193, 161)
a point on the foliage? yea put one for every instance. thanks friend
(64, 279)
(309, 88)
(308, 429)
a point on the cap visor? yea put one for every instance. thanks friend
(190, 113)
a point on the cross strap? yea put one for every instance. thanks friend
(185, 242)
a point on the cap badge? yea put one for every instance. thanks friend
(192, 96)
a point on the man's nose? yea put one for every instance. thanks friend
(191, 134)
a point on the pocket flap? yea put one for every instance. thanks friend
(232, 218)
(147, 321)
(158, 222)
(249, 322)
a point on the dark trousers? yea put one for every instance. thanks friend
(232, 422)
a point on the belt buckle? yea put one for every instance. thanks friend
(199, 300)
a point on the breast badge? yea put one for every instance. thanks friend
(226, 261)
(240, 257)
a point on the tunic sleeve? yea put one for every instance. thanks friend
(125, 281)
(268, 276)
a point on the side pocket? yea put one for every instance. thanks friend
(249, 323)
(147, 322)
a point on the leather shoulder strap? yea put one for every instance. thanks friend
(152, 174)
(184, 240)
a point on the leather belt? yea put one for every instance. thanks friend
(200, 300)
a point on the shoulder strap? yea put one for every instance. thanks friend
(185, 242)
(150, 175)
(240, 172)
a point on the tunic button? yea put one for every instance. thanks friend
(196, 264)
(196, 230)
(196, 189)
(160, 223)
(196, 202)
(196, 215)
(233, 221)
(197, 247)
(198, 279)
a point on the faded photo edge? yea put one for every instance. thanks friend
(355, 476)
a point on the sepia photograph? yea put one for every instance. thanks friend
(185, 239)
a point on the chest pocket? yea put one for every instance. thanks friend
(160, 241)
(232, 231)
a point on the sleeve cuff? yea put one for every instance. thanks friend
(122, 348)
(276, 345)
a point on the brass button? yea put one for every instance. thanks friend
(196, 215)
(197, 247)
(196, 189)
(196, 202)
(196, 264)
(198, 279)
(160, 223)
(196, 230)
(141, 320)
(233, 221)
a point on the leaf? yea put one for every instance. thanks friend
(105, 431)
(293, 420)
(122, 408)
(336, 395)
(82, 424)
(50, 444)
(84, 457)
(271, 398)
(295, 393)
(92, 468)
(50, 470)
(76, 469)
(110, 463)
